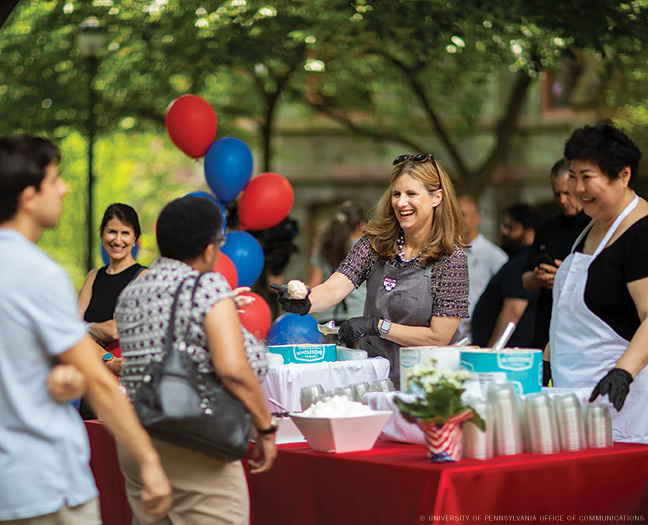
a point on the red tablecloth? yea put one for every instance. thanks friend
(395, 484)
(115, 509)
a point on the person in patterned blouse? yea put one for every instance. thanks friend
(413, 261)
(189, 237)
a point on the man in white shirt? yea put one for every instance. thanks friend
(484, 257)
(44, 450)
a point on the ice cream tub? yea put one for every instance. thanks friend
(305, 353)
(520, 366)
(446, 357)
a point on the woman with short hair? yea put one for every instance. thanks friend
(206, 490)
(599, 332)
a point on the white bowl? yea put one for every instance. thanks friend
(342, 434)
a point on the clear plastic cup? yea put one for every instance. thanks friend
(507, 430)
(346, 391)
(478, 443)
(360, 389)
(598, 426)
(541, 432)
(571, 429)
(382, 385)
(309, 394)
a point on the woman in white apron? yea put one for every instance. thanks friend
(413, 261)
(599, 332)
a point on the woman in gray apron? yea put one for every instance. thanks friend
(412, 258)
(599, 333)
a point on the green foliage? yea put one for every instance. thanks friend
(143, 170)
(397, 71)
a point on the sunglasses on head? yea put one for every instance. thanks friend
(417, 157)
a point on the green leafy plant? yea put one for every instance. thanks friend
(438, 397)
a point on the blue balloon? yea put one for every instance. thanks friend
(228, 167)
(106, 259)
(214, 200)
(246, 254)
(294, 329)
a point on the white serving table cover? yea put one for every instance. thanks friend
(284, 382)
(397, 427)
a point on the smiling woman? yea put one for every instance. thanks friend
(412, 259)
(119, 230)
(599, 319)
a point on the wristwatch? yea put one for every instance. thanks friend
(271, 429)
(107, 357)
(384, 328)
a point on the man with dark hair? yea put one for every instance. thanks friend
(552, 244)
(44, 449)
(505, 300)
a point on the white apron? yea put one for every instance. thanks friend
(584, 348)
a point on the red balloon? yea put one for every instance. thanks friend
(256, 317)
(191, 124)
(265, 202)
(226, 268)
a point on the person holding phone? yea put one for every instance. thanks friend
(505, 300)
(552, 244)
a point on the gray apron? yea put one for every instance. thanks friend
(402, 295)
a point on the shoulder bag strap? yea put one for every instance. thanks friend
(170, 335)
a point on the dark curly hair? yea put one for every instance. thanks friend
(607, 146)
(186, 226)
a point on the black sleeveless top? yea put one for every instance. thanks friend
(606, 292)
(105, 291)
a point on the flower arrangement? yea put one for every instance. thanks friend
(439, 395)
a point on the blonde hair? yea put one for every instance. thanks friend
(446, 223)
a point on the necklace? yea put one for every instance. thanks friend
(401, 253)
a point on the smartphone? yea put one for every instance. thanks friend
(543, 258)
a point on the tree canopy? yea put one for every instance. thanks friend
(412, 73)
(396, 71)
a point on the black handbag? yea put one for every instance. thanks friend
(175, 403)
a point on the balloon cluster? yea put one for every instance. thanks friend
(264, 201)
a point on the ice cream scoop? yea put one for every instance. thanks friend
(297, 289)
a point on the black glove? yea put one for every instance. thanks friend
(358, 327)
(615, 384)
(293, 306)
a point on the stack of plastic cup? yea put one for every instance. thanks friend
(382, 385)
(541, 433)
(309, 394)
(478, 443)
(598, 426)
(571, 429)
(345, 391)
(361, 389)
(507, 434)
